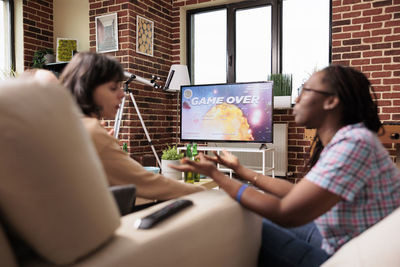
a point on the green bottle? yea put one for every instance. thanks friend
(189, 178)
(125, 147)
(194, 154)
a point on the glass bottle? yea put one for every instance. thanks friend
(194, 154)
(189, 178)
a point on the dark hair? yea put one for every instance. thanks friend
(85, 72)
(354, 91)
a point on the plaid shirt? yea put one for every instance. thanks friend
(355, 166)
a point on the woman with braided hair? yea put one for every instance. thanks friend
(351, 184)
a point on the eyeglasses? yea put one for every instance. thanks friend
(304, 89)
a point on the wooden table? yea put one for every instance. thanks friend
(207, 182)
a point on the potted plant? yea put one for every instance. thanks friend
(43, 56)
(282, 90)
(171, 156)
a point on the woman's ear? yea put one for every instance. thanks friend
(331, 102)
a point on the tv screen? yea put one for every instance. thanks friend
(240, 112)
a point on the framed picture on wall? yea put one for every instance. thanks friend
(107, 33)
(144, 36)
(66, 47)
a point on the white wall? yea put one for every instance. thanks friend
(71, 20)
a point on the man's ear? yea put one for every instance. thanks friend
(331, 102)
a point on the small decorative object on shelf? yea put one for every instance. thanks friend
(282, 90)
(43, 56)
(171, 156)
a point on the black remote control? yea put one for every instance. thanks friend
(156, 217)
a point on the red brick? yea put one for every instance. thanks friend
(360, 47)
(373, 40)
(381, 74)
(351, 28)
(391, 67)
(392, 23)
(361, 34)
(362, 6)
(372, 68)
(351, 55)
(392, 9)
(351, 14)
(359, 62)
(391, 81)
(372, 54)
(381, 3)
(372, 25)
(392, 38)
(382, 46)
(340, 9)
(349, 2)
(371, 12)
(392, 52)
(361, 20)
(381, 18)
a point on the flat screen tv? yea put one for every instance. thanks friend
(239, 112)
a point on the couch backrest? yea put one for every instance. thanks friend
(377, 246)
(53, 189)
(6, 254)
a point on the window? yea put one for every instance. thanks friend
(305, 39)
(247, 41)
(233, 43)
(6, 35)
(209, 45)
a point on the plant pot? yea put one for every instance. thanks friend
(282, 102)
(168, 172)
(49, 58)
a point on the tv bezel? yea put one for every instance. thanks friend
(219, 140)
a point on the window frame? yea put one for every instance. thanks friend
(12, 33)
(276, 38)
(276, 34)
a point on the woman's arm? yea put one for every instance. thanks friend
(277, 187)
(302, 204)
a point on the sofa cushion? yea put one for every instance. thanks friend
(6, 254)
(377, 246)
(53, 189)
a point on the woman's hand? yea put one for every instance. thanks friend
(225, 158)
(204, 166)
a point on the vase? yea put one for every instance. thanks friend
(169, 172)
(49, 58)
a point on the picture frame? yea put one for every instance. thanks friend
(107, 33)
(144, 36)
(66, 47)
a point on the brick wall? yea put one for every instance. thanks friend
(158, 109)
(366, 35)
(38, 27)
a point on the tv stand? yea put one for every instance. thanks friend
(264, 169)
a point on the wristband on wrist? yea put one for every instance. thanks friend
(240, 192)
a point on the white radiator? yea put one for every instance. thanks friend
(253, 160)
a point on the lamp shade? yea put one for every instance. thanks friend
(178, 76)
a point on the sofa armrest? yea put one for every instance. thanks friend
(125, 196)
(377, 246)
(214, 231)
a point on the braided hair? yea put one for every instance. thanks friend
(354, 91)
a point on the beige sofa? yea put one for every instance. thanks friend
(54, 198)
(379, 246)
